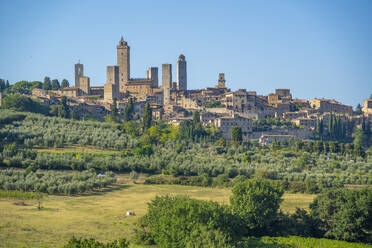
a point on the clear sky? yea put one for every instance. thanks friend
(317, 48)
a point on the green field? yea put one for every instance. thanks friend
(99, 214)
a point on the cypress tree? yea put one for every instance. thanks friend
(65, 83)
(236, 135)
(47, 85)
(55, 84)
(147, 117)
(114, 111)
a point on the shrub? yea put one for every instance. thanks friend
(257, 202)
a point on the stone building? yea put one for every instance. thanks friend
(330, 105)
(283, 94)
(221, 81)
(84, 84)
(111, 88)
(71, 92)
(181, 73)
(226, 123)
(123, 62)
(367, 107)
(166, 82)
(305, 122)
(152, 74)
(79, 72)
(267, 139)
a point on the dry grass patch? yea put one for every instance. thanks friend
(100, 215)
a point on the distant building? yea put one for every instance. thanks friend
(330, 105)
(367, 108)
(79, 72)
(181, 73)
(226, 123)
(267, 139)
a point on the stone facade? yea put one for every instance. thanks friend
(221, 81)
(267, 139)
(79, 72)
(226, 123)
(305, 122)
(84, 84)
(123, 61)
(152, 74)
(181, 73)
(166, 82)
(330, 105)
(367, 108)
(111, 88)
(284, 93)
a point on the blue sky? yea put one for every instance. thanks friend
(317, 48)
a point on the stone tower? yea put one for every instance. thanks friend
(84, 84)
(152, 73)
(123, 61)
(166, 82)
(79, 72)
(221, 80)
(111, 88)
(181, 73)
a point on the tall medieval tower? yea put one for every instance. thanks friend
(123, 57)
(166, 82)
(79, 72)
(181, 73)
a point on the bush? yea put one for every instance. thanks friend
(345, 214)
(179, 221)
(257, 202)
(92, 243)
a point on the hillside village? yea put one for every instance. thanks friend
(218, 105)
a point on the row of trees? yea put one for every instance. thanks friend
(54, 84)
(53, 182)
(254, 211)
(4, 84)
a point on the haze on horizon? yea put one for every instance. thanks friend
(315, 48)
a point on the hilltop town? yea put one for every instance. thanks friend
(218, 105)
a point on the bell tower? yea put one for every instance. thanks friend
(123, 62)
(79, 72)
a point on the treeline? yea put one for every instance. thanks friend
(26, 87)
(170, 150)
(54, 182)
(179, 221)
(309, 185)
(52, 131)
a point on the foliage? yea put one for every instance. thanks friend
(114, 111)
(17, 194)
(21, 87)
(236, 135)
(296, 242)
(23, 103)
(215, 104)
(179, 221)
(147, 117)
(345, 214)
(55, 84)
(65, 83)
(47, 85)
(257, 203)
(92, 243)
(54, 182)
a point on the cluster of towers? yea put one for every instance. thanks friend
(119, 82)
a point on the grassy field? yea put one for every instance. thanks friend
(100, 214)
